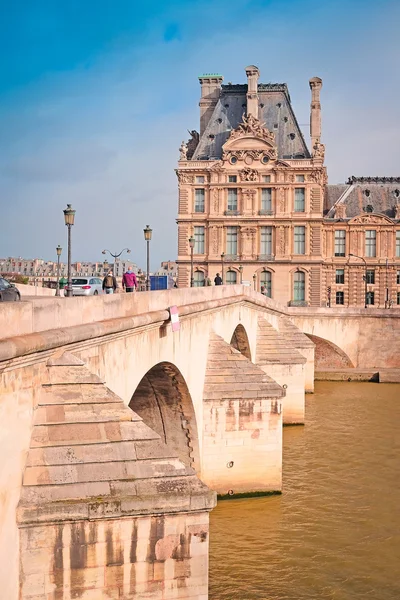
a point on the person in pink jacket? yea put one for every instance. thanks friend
(129, 282)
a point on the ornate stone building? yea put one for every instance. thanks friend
(256, 202)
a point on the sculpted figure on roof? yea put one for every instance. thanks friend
(183, 151)
(252, 126)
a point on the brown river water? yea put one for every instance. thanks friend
(334, 533)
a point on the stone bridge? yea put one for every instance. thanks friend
(114, 429)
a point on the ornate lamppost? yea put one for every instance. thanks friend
(365, 277)
(222, 267)
(241, 273)
(115, 257)
(147, 236)
(58, 250)
(255, 282)
(69, 218)
(191, 244)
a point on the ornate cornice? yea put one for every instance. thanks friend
(371, 219)
(354, 179)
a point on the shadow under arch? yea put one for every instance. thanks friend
(328, 355)
(163, 401)
(240, 341)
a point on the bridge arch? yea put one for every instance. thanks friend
(240, 341)
(328, 355)
(163, 400)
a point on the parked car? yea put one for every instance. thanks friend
(8, 291)
(87, 286)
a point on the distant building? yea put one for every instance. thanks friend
(257, 202)
(38, 268)
(168, 267)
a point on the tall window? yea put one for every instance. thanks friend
(339, 276)
(398, 243)
(266, 282)
(299, 286)
(232, 199)
(398, 297)
(371, 277)
(199, 195)
(198, 279)
(231, 241)
(339, 297)
(370, 242)
(398, 278)
(266, 241)
(370, 298)
(340, 242)
(266, 199)
(299, 199)
(299, 240)
(198, 240)
(232, 178)
(231, 277)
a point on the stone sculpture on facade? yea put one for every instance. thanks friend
(192, 143)
(183, 149)
(248, 175)
(319, 150)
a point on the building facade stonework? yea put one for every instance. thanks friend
(257, 202)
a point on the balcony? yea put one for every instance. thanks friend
(232, 213)
(265, 257)
(297, 303)
(231, 258)
(265, 212)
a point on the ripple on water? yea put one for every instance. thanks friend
(334, 533)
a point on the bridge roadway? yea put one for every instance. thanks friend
(115, 429)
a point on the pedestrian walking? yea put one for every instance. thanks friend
(129, 281)
(217, 279)
(109, 283)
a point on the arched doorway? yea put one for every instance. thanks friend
(240, 341)
(163, 401)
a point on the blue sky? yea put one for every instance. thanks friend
(91, 93)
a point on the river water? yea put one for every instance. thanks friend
(334, 533)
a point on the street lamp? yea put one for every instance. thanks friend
(69, 217)
(58, 250)
(115, 256)
(191, 244)
(222, 267)
(147, 236)
(255, 281)
(241, 273)
(365, 276)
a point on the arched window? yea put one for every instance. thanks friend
(266, 283)
(299, 286)
(198, 279)
(231, 277)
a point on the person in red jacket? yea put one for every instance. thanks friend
(129, 282)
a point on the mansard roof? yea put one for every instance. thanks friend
(364, 195)
(275, 111)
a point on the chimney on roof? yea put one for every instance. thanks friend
(253, 74)
(315, 112)
(210, 91)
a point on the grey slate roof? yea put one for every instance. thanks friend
(275, 111)
(381, 195)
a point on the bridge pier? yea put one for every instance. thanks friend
(105, 510)
(242, 424)
(280, 360)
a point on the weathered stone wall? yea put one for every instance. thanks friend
(370, 338)
(162, 556)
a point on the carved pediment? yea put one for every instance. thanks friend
(371, 219)
(250, 133)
